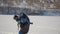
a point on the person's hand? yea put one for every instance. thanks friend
(31, 23)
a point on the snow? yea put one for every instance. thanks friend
(41, 25)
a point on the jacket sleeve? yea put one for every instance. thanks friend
(28, 19)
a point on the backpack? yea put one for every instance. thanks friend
(24, 20)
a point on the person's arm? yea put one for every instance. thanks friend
(29, 21)
(18, 25)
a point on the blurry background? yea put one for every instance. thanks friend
(30, 7)
(31, 3)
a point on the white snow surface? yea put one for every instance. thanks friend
(41, 25)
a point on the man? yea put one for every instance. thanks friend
(23, 23)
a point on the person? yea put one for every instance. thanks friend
(23, 23)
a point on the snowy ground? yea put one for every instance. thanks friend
(41, 25)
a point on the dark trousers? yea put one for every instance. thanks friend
(24, 28)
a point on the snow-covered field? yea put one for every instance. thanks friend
(41, 25)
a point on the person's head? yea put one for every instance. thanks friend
(16, 17)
